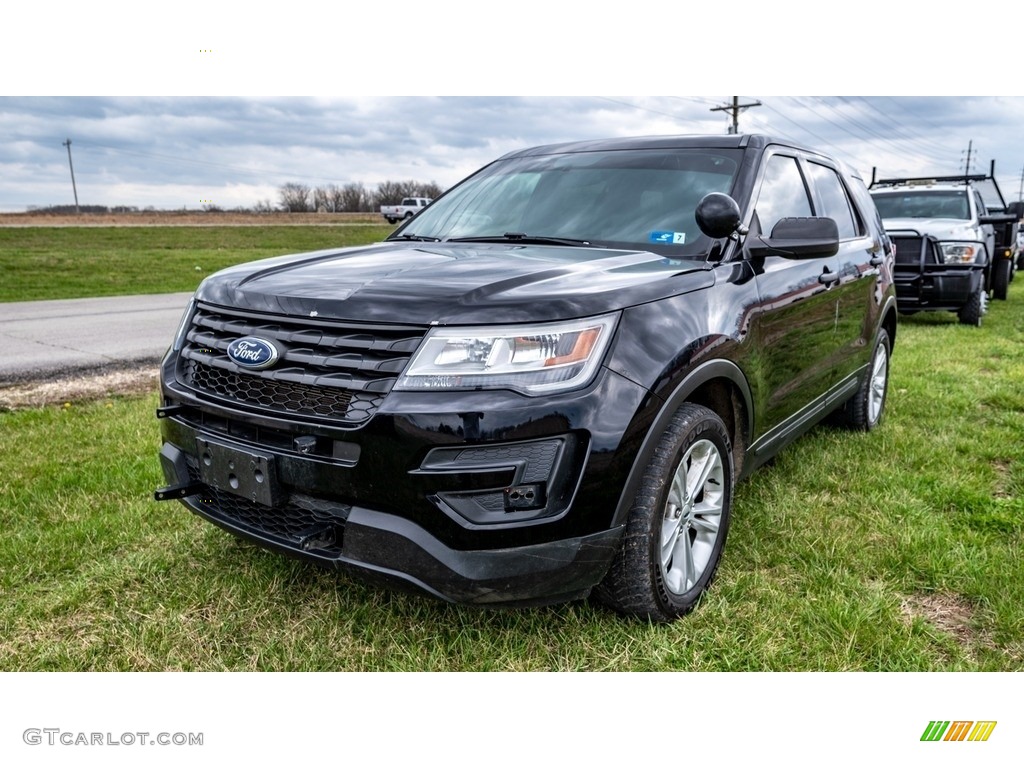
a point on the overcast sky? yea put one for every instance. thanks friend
(362, 76)
(183, 152)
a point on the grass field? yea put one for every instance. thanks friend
(895, 550)
(76, 262)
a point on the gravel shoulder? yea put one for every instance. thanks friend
(36, 390)
(82, 387)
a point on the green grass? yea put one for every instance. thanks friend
(895, 550)
(78, 262)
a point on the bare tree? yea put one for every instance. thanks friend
(353, 197)
(392, 192)
(431, 190)
(294, 197)
(389, 193)
(326, 198)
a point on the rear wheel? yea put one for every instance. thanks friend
(678, 521)
(865, 409)
(1001, 279)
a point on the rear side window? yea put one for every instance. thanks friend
(834, 201)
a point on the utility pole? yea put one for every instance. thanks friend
(1020, 190)
(735, 108)
(967, 166)
(73, 187)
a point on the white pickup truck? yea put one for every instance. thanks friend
(953, 251)
(409, 207)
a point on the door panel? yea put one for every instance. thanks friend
(797, 313)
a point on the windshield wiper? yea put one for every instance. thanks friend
(520, 237)
(422, 238)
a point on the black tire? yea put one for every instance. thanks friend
(1001, 279)
(864, 411)
(975, 308)
(390, 220)
(673, 540)
(408, 214)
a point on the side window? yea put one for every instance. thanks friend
(835, 204)
(783, 193)
(867, 211)
(980, 204)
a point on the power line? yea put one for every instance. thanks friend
(643, 109)
(899, 127)
(206, 163)
(871, 132)
(868, 133)
(845, 126)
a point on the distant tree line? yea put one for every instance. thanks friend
(91, 209)
(296, 198)
(348, 198)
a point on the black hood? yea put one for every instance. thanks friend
(453, 283)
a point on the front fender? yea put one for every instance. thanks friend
(724, 370)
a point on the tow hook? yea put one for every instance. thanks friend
(318, 537)
(171, 492)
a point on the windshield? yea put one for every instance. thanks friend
(633, 199)
(923, 204)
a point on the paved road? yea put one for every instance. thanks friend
(43, 339)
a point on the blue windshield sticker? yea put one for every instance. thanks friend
(668, 238)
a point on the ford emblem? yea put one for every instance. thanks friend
(252, 353)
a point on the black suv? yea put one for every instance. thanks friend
(547, 382)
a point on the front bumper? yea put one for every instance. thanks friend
(925, 282)
(392, 551)
(936, 288)
(495, 499)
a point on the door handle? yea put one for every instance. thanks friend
(827, 278)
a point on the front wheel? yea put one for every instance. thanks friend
(975, 308)
(678, 521)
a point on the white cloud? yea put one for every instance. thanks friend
(170, 151)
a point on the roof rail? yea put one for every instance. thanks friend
(875, 182)
(905, 179)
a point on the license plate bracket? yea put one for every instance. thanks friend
(249, 474)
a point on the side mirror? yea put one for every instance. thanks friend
(717, 215)
(806, 237)
(997, 218)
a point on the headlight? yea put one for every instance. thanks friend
(532, 359)
(961, 253)
(179, 335)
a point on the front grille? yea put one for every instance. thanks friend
(289, 396)
(908, 250)
(334, 371)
